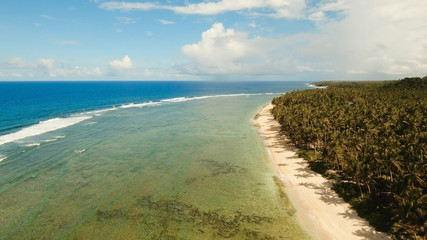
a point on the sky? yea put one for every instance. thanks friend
(221, 40)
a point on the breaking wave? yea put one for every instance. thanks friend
(59, 123)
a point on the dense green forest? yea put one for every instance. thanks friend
(371, 137)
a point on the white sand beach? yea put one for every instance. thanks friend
(319, 209)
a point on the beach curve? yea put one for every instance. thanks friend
(320, 211)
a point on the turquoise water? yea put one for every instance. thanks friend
(179, 170)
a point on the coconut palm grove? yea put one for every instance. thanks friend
(371, 139)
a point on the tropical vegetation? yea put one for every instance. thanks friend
(371, 138)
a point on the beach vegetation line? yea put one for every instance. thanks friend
(371, 138)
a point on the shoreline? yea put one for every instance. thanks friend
(319, 210)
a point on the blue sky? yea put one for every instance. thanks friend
(212, 39)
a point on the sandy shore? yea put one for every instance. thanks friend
(319, 209)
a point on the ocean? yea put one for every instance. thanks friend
(139, 160)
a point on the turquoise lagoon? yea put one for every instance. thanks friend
(184, 168)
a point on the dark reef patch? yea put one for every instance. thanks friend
(170, 214)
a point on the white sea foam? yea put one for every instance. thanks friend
(185, 99)
(33, 144)
(2, 158)
(42, 127)
(58, 123)
(80, 151)
(36, 144)
(53, 139)
(96, 112)
(237, 95)
(201, 97)
(178, 99)
(314, 86)
(139, 105)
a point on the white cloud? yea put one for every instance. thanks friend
(280, 8)
(321, 11)
(16, 63)
(383, 37)
(359, 38)
(333, 5)
(124, 64)
(225, 51)
(356, 71)
(47, 17)
(219, 46)
(10, 75)
(16, 75)
(45, 67)
(126, 20)
(128, 6)
(75, 72)
(165, 22)
(370, 38)
(46, 63)
(317, 16)
(36, 24)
